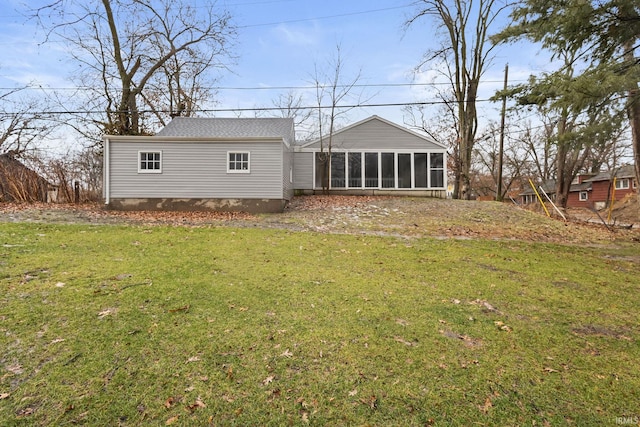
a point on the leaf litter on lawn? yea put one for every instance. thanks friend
(373, 215)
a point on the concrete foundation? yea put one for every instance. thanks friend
(192, 205)
(437, 194)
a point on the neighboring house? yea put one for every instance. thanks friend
(592, 190)
(529, 196)
(18, 183)
(580, 194)
(601, 188)
(223, 164)
(373, 156)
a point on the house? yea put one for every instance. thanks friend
(579, 192)
(601, 188)
(373, 156)
(592, 190)
(222, 164)
(18, 183)
(254, 165)
(529, 196)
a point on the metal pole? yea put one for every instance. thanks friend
(539, 198)
(501, 153)
(552, 204)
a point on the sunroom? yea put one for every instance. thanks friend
(373, 156)
(379, 170)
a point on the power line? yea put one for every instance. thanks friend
(320, 18)
(268, 24)
(243, 109)
(254, 88)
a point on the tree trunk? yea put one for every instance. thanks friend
(561, 174)
(468, 120)
(633, 112)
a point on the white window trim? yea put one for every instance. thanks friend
(430, 169)
(585, 194)
(620, 184)
(248, 170)
(395, 153)
(140, 170)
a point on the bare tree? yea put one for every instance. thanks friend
(517, 166)
(291, 104)
(23, 122)
(332, 88)
(441, 126)
(465, 53)
(125, 48)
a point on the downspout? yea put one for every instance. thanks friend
(106, 173)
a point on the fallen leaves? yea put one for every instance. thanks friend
(195, 405)
(487, 405)
(15, 368)
(502, 326)
(405, 342)
(106, 312)
(25, 412)
(171, 401)
(328, 213)
(402, 322)
(4, 396)
(466, 340)
(486, 306)
(371, 402)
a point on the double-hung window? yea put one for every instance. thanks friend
(584, 196)
(238, 162)
(622, 184)
(150, 162)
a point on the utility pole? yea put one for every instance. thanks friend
(501, 153)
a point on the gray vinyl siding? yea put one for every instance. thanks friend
(377, 135)
(303, 171)
(196, 170)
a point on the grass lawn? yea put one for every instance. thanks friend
(116, 325)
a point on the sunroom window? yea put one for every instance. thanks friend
(384, 170)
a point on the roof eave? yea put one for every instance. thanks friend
(185, 139)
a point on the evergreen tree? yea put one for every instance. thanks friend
(603, 39)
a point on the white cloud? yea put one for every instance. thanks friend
(297, 36)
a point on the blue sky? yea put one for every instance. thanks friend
(279, 42)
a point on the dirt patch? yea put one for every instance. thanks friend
(624, 213)
(602, 331)
(386, 216)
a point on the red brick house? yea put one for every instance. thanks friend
(596, 191)
(591, 190)
(580, 192)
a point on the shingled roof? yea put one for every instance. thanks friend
(201, 127)
(626, 171)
